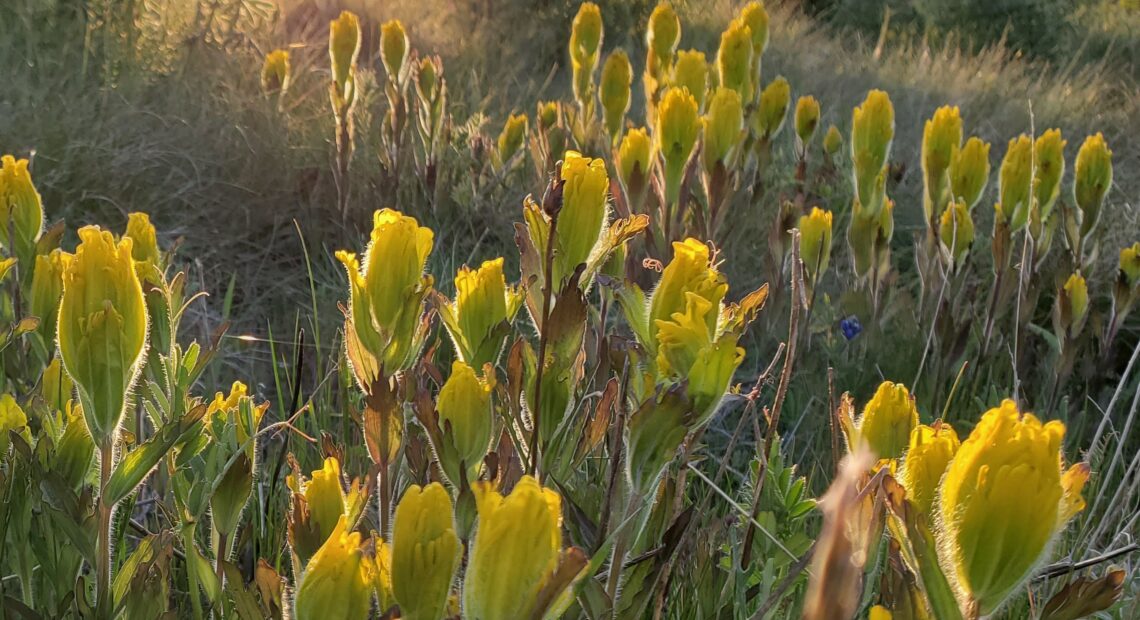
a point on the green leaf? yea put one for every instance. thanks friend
(134, 468)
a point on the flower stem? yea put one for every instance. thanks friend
(103, 563)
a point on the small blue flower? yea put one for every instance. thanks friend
(851, 327)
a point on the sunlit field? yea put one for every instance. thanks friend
(341, 309)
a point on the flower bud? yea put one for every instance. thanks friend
(1073, 304)
(465, 414)
(102, 328)
(21, 210)
(691, 72)
(275, 71)
(887, 420)
(941, 139)
(956, 230)
(12, 418)
(335, 584)
(483, 305)
(583, 215)
(931, 449)
(832, 141)
(815, 242)
(677, 128)
(148, 258)
(634, 161)
(774, 102)
(1093, 177)
(512, 136)
(393, 48)
(872, 131)
(1130, 264)
(387, 294)
(617, 75)
(425, 552)
(585, 43)
(1003, 498)
(663, 34)
(807, 118)
(516, 550)
(723, 128)
(427, 78)
(547, 114)
(734, 59)
(325, 496)
(970, 171)
(756, 18)
(344, 47)
(1049, 162)
(1013, 182)
(47, 288)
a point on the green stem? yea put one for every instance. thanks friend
(103, 563)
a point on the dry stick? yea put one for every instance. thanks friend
(1062, 568)
(1116, 457)
(781, 393)
(1025, 257)
(937, 309)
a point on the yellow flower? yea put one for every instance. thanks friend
(878, 612)
(275, 71)
(148, 258)
(547, 114)
(1130, 264)
(970, 171)
(1093, 177)
(664, 33)
(931, 449)
(425, 552)
(678, 125)
(1049, 159)
(335, 584)
(12, 418)
(1014, 181)
(723, 128)
(941, 139)
(380, 574)
(21, 210)
(512, 136)
(585, 43)
(325, 496)
(956, 230)
(483, 303)
(691, 72)
(344, 47)
(56, 387)
(102, 328)
(516, 550)
(635, 157)
(807, 118)
(756, 18)
(832, 141)
(872, 131)
(734, 59)
(617, 75)
(47, 288)
(1074, 302)
(690, 271)
(584, 212)
(774, 102)
(464, 404)
(427, 78)
(689, 348)
(888, 420)
(393, 48)
(1003, 499)
(387, 293)
(815, 242)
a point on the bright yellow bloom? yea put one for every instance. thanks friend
(425, 552)
(774, 102)
(21, 210)
(678, 126)
(344, 47)
(690, 271)
(815, 242)
(148, 258)
(102, 327)
(689, 349)
(584, 212)
(970, 171)
(1049, 159)
(734, 59)
(483, 303)
(47, 288)
(512, 136)
(807, 118)
(887, 420)
(1003, 499)
(635, 155)
(335, 584)
(1093, 177)
(691, 72)
(756, 18)
(12, 418)
(387, 293)
(393, 48)
(931, 449)
(464, 404)
(325, 496)
(723, 128)
(1014, 181)
(872, 131)
(941, 139)
(956, 230)
(517, 548)
(275, 72)
(832, 141)
(1130, 264)
(617, 75)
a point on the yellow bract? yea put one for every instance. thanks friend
(1003, 499)
(1130, 264)
(1093, 177)
(832, 141)
(425, 552)
(941, 139)
(21, 210)
(336, 583)
(517, 547)
(664, 32)
(584, 212)
(12, 418)
(956, 230)
(970, 171)
(1075, 301)
(512, 136)
(734, 59)
(807, 118)
(464, 403)
(635, 155)
(585, 43)
(678, 126)
(344, 47)
(275, 72)
(47, 288)
(774, 102)
(102, 327)
(815, 241)
(393, 48)
(1014, 181)
(483, 302)
(887, 420)
(617, 75)
(756, 18)
(872, 131)
(325, 496)
(723, 128)
(1049, 162)
(691, 72)
(931, 449)
(148, 258)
